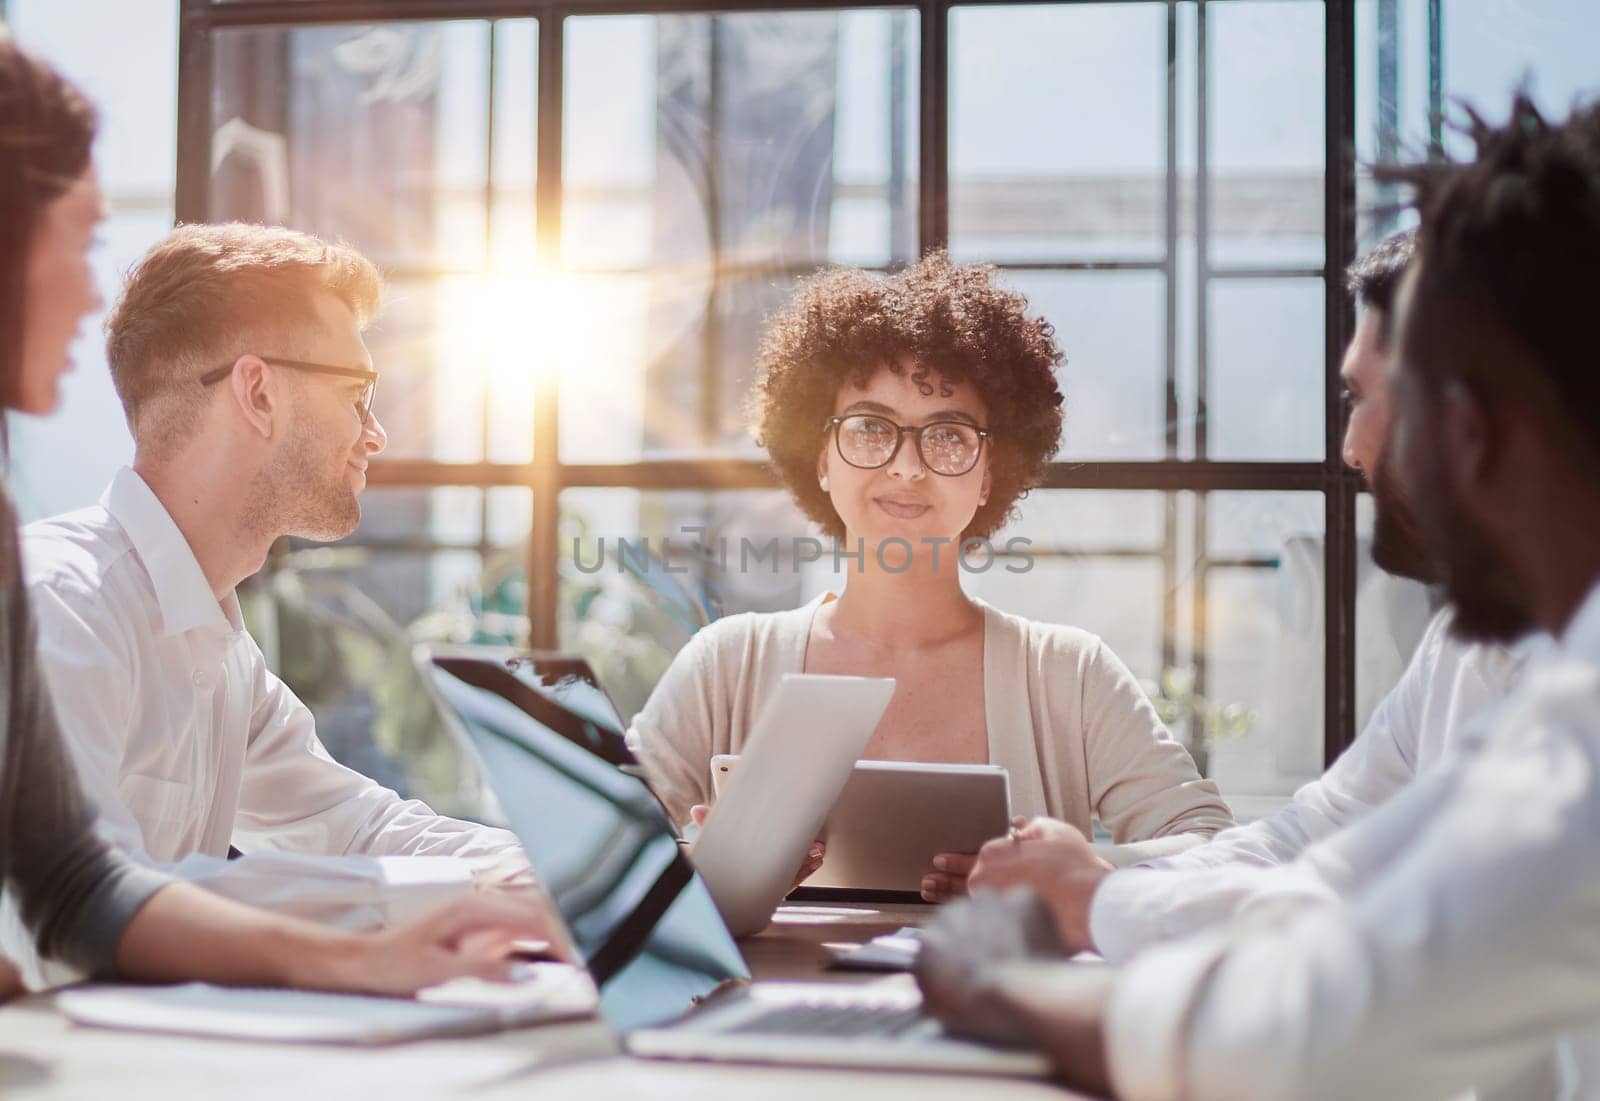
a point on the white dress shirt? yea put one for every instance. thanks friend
(187, 742)
(1447, 685)
(1449, 940)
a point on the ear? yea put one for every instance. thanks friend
(822, 468)
(1471, 437)
(988, 481)
(257, 397)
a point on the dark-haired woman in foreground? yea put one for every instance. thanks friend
(906, 415)
(85, 905)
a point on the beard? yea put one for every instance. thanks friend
(1397, 547)
(303, 493)
(1479, 584)
(1477, 580)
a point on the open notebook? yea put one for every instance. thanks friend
(545, 992)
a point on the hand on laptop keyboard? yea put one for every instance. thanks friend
(963, 946)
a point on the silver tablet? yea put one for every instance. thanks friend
(893, 817)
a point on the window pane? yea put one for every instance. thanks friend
(709, 160)
(457, 370)
(1112, 327)
(512, 241)
(1095, 562)
(693, 137)
(624, 610)
(377, 134)
(339, 622)
(418, 544)
(1265, 363)
(1255, 664)
(1391, 614)
(1265, 64)
(1264, 637)
(1488, 50)
(1039, 167)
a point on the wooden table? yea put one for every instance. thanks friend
(43, 1056)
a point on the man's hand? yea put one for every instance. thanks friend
(947, 879)
(10, 981)
(470, 937)
(962, 950)
(1056, 861)
(991, 968)
(808, 867)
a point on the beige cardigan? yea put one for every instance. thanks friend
(1066, 719)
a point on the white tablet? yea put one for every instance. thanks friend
(795, 763)
(893, 817)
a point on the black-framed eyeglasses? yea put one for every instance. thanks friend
(868, 441)
(363, 404)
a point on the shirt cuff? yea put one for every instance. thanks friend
(415, 885)
(1149, 1014)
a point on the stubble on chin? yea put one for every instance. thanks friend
(287, 499)
(326, 517)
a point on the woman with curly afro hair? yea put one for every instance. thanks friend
(908, 415)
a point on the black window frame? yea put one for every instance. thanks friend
(546, 476)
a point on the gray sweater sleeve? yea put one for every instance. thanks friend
(75, 894)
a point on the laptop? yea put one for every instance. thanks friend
(797, 760)
(671, 977)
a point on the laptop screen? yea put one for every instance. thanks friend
(599, 842)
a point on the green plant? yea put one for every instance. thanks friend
(1198, 722)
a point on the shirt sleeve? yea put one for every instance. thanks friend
(73, 893)
(82, 643)
(296, 798)
(1181, 893)
(672, 735)
(1445, 941)
(1142, 783)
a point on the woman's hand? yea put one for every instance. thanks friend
(808, 867)
(947, 879)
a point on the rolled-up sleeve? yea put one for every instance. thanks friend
(316, 830)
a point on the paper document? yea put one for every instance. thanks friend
(543, 992)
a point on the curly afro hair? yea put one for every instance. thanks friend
(951, 320)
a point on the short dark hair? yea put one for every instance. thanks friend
(1511, 241)
(47, 130)
(947, 319)
(1373, 278)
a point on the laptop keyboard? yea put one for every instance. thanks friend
(820, 1019)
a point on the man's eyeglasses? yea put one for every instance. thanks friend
(363, 404)
(950, 448)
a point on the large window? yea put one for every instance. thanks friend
(587, 208)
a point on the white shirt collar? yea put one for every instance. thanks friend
(182, 592)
